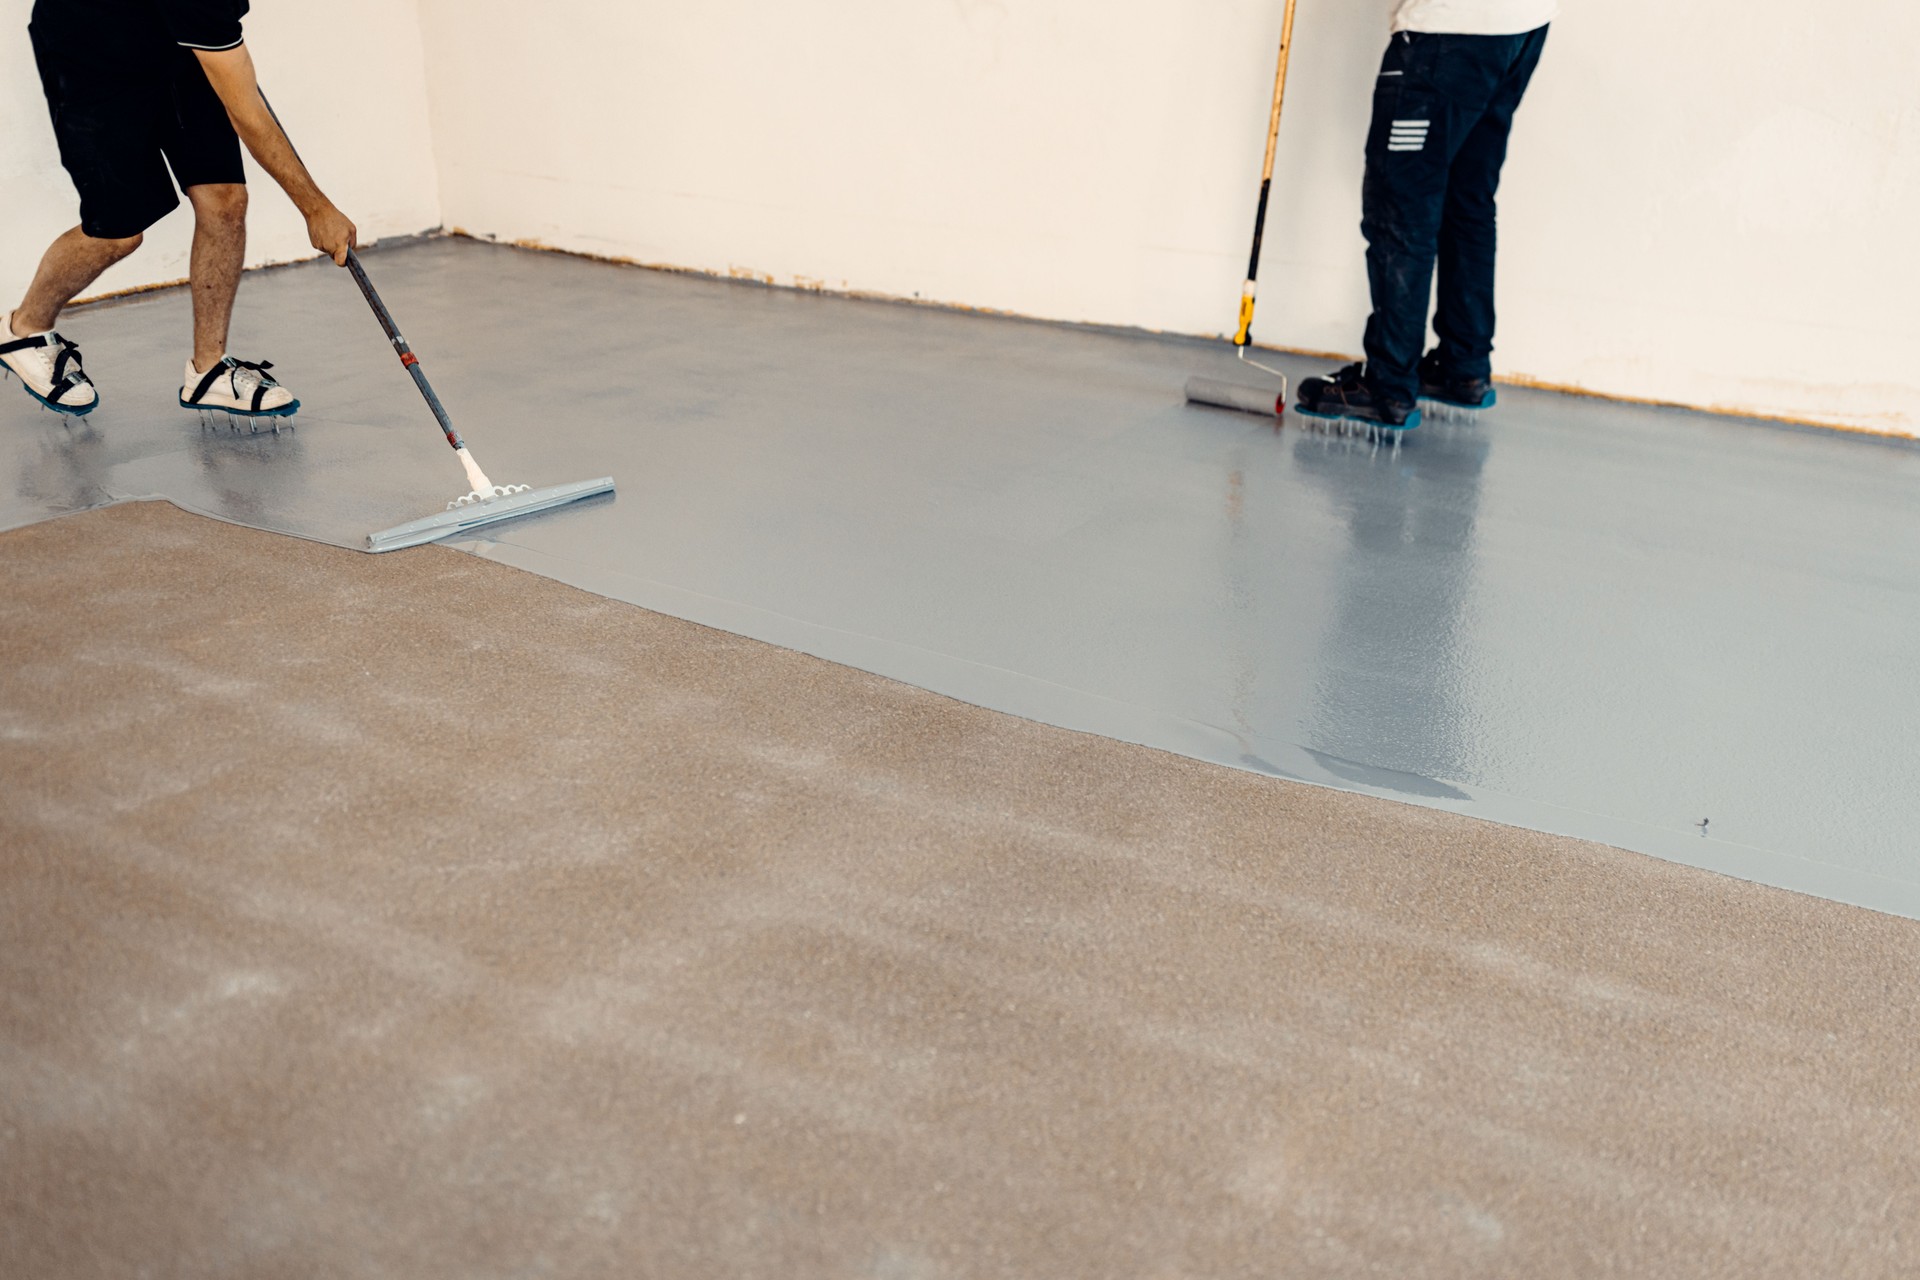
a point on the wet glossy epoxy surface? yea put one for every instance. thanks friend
(1592, 619)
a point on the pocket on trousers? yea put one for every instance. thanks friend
(1408, 121)
(1463, 69)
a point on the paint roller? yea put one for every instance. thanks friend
(1226, 395)
(1235, 395)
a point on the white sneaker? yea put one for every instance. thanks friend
(240, 388)
(49, 367)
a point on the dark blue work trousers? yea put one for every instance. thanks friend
(1442, 109)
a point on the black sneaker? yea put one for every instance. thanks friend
(1348, 396)
(1454, 393)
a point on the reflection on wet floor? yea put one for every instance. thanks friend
(58, 464)
(234, 461)
(1595, 619)
(1410, 550)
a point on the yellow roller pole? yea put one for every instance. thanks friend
(1249, 291)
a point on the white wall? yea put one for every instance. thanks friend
(1706, 204)
(347, 78)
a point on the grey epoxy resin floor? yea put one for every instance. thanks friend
(1592, 619)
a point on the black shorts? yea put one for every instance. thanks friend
(121, 126)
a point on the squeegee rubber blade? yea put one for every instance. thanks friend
(445, 524)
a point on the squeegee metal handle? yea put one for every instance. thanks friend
(408, 360)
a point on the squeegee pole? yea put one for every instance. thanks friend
(409, 360)
(1248, 291)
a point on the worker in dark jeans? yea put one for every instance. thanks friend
(1442, 109)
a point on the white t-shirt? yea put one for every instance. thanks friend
(1473, 17)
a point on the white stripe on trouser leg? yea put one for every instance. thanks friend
(1408, 135)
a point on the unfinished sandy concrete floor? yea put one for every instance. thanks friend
(1599, 620)
(414, 916)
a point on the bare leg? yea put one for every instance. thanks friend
(219, 251)
(70, 264)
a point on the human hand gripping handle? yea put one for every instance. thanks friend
(332, 233)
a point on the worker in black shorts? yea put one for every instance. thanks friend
(138, 87)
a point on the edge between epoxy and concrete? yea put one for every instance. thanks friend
(1068, 708)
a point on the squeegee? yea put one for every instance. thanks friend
(488, 502)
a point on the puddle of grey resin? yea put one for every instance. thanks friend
(1599, 620)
